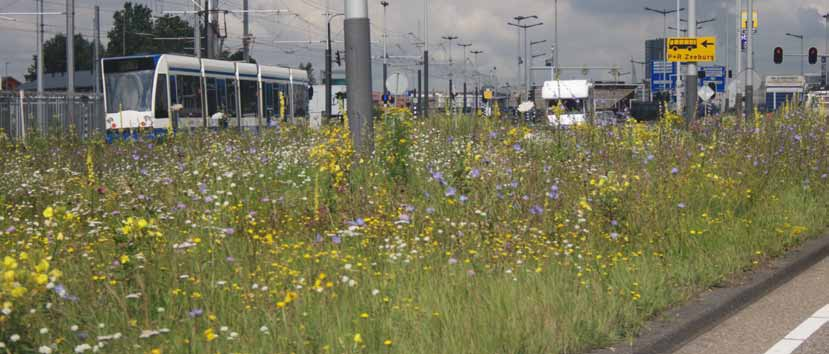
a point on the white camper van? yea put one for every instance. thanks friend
(575, 98)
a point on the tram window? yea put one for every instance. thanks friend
(250, 95)
(286, 94)
(212, 97)
(231, 97)
(161, 97)
(267, 89)
(189, 94)
(221, 96)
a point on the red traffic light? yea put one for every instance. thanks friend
(778, 55)
(813, 55)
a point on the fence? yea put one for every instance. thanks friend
(22, 114)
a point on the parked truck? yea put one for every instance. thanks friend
(568, 102)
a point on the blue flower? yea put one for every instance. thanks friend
(196, 313)
(536, 210)
(450, 192)
(475, 173)
(674, 171)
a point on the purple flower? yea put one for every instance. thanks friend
(674, 171)
(265, 200)
(230, 259)
(202, 188)
(196, 313)
(475, 173)
(553, 193)
(516, 147)
(60, 290)
(453, 260)
(681, 205)
(650, 157)
(11, 229)
(450, 192)
(430, 210)
(463, 198)
(181, 206)
(357, 222)
(493, 134)
(404, 218)
(229, 231)
(336, 239)
(614, 223)
(536, 210)
(318, 238)
(208, 199)
(614, 236)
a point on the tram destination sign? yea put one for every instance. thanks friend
(691, 49)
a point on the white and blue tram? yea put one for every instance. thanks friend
(152, 92)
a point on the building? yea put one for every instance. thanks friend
(84, 82)
(9, 84)
(654, 51)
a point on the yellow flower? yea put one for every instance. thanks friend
(8, 276)
(364, 315)
(358, 338)
(387, 342)
(141, 223)
(280, 304)
(210, 335)
(18, 291)
(156, 350)
(9, 263)
(41, 279)
(125, 259)
(42, 267)
(49, 213)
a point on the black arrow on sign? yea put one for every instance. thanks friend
(706, 43)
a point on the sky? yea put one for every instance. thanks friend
(597, 33)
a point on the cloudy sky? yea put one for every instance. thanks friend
(601, 33)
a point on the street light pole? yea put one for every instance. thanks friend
(802, 51)
(451, 88)
(385, 51)
(477, 77)
(826, 52)
(691, 77)
(464, 46)
(526, 48)
(664, 14)
(426, 58)
(358, 72)
(749, 110)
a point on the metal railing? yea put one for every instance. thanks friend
(25, 113)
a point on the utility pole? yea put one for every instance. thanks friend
(691, 78)
(750, 61)
(426, 58)
(96, 64)
(246, 42)
(358, 71)
(464, 46)
(678, 70)
(385, 49)
(451, 87)
(477, 77)
(738, 98)
(419, 93)
(556, 49)
(826, 52)
(526, 48)
(196, 30)
(40, 29)
(70, 60)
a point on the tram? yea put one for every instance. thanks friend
(154, 92)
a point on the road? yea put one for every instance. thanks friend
(790, 320)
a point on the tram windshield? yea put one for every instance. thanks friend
(129, 84)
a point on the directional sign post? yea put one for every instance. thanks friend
(691, 49)
(663, 77)
(713, 74)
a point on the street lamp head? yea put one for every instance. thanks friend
(384, 3)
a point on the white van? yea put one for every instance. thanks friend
(575, 98)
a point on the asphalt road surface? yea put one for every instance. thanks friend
(790, 320)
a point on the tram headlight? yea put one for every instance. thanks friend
(148, 120)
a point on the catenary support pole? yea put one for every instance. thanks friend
(691, 78)
(70, 60)
(419, 93)
(328, 68)
(196, 30)
(749, 110)
(426, 58)
(738, 96)
(40, 50)
(358, 74)
(246, 37)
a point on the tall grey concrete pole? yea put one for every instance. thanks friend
(426, 58)
(70, 47)
(556, 49)
(196, 31)
(738, 98)
(691, 78)
(419, 93)
(328, 68)
(826, 52)
(750, 61)
(246, 38)
(96, 66)
(385, 50)
(678, 64)
(464, 46)
(40, 49)
(358, 73)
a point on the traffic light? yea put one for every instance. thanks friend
(338, 59)
(813, 55)
(778, 55)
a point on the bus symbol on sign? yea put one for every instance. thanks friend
(691, 49)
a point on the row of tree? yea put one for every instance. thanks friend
(134, 31)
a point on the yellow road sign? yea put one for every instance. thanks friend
(745, 19)
(488, 94)
(691, 50)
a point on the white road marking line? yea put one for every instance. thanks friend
(822, 313)
(800, 334)
(807, 328)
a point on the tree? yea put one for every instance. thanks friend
(172, 27)
(131, 32)
(54, 54)
(239, 55)
(309, 67)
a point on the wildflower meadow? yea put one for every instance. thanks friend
(459, 235)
